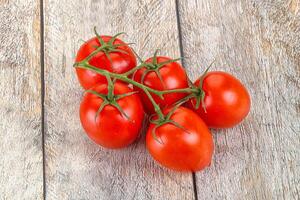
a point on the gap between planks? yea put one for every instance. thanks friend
(42, 63)
(183, 64)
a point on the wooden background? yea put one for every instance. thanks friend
(44, 152)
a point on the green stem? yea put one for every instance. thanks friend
(110, 87)
(155, 105)
(181, 90)
(87, 66)
(133, 70)
(107, 47)
(146, 89)
(101, 48)
(121, 77)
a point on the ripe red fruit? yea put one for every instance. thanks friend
(227, 101)
(188, 149)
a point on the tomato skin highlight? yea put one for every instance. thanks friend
(181, 150)
(111, 129)
(227, 101)
(173, 76)
(121, 62)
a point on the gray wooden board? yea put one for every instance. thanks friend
(259, 42)
(21, 158)
(76, 168)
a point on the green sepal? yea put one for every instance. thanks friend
(102, 96)
(158, 74)
(119, 50)
(144, 75)
(119, 96)
(198, 100)
(178, 126)
(112, 40)
(168, 61)
(116, 105)
(153, 133)
(98, 36)
(154, 59)
(103, 104)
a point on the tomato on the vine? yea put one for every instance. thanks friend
(168, 76)
(226, 101)
(188, 148)
(110, 127)
(119, 59)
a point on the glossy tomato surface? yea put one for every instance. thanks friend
(178, 149)
(227, 101)
(111, 129)
(173, 77)
(121, 62)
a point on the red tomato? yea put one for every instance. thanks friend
(111, 129)
(121, 62)
(226, 100)
(173, 77)
(178, 149)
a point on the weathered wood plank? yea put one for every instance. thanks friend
(259, 42)
(76, 168)
(21, 158)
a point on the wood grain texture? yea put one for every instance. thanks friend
(76, 168)
(21, 159)
(259, 42)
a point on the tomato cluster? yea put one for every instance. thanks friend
(119, 92)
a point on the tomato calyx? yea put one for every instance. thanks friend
(112, 102)
(199, 96)
(111, 99)
(199, 93)
(154, 66)
(167, 119)
(107, 47)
